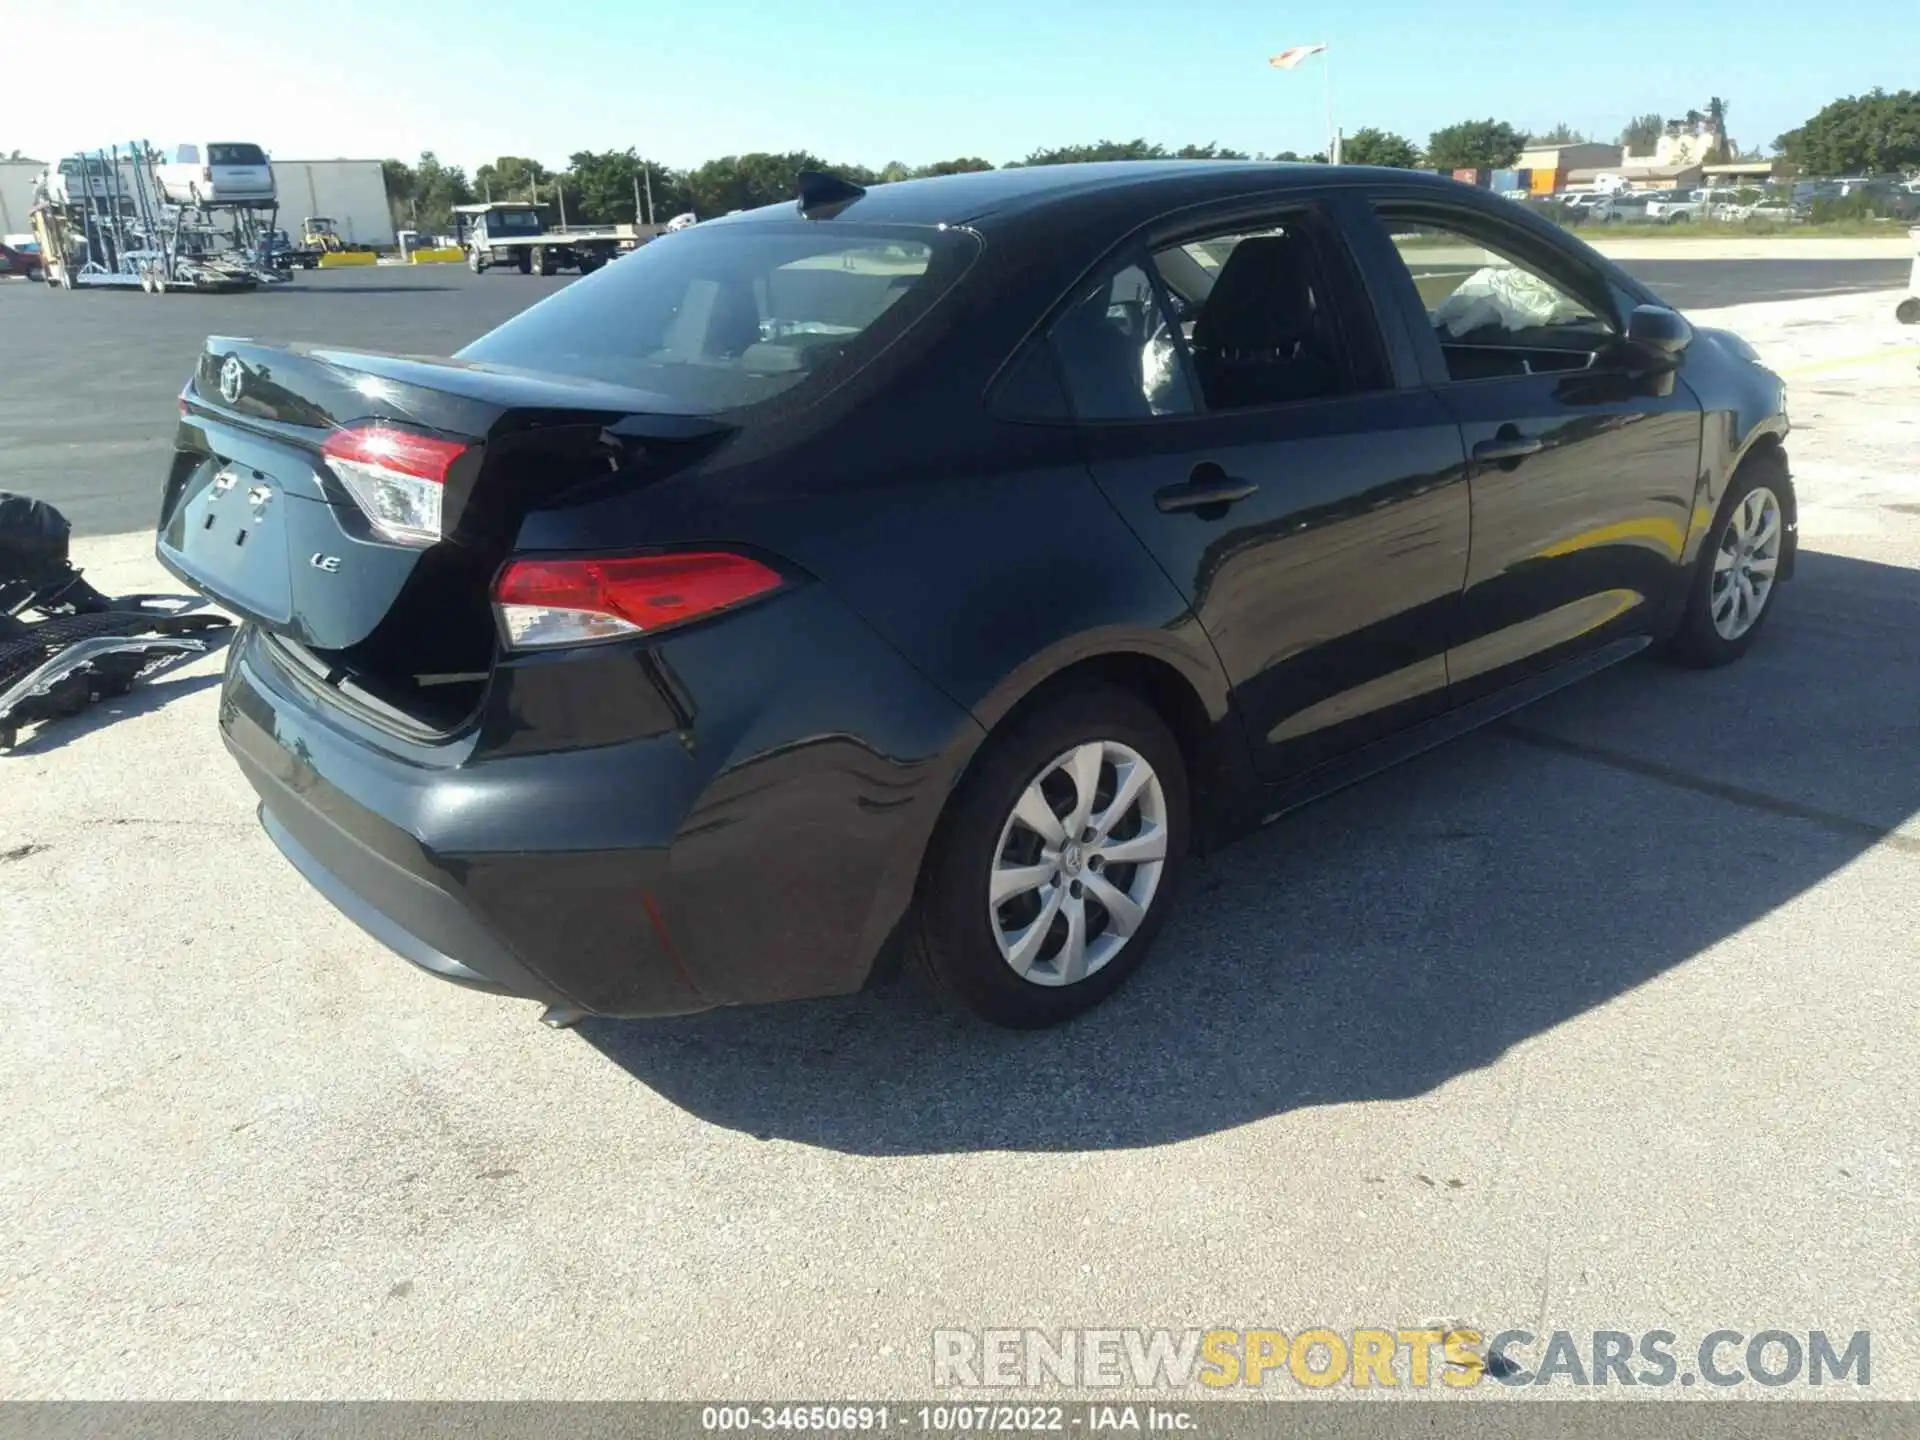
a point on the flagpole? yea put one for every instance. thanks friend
(1326, 80)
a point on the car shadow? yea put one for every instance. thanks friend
(146, 696)
(1401, 933)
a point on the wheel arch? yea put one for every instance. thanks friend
(1190, 695)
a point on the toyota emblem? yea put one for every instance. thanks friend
(233, 375)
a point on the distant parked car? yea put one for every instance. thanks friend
(1887, 197)
(19, 262)
(216, 173)
(1628, 206)
(1674, 207)
(1587, 209)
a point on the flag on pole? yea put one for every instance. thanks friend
(1287, 59)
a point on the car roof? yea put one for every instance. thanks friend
(989, 196)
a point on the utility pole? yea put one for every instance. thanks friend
(646, 172)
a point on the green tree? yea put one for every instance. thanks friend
(1720, 152)
(966, 165)
(746, 182)
(1209, 151)
(401, 186)
(1878, 131)
(511, 177)
(1560, 134)
(1474, 144)
(601, 186)
(1370, 146)
(1099, 150)
(422, 196)
(1643, 132)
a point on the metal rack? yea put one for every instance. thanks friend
(120, 232)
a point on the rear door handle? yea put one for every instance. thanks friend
(1507, 447)
(1207, 486)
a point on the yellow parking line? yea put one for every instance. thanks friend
(1847, 362)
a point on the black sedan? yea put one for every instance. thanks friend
(933, 569)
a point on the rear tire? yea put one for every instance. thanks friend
(1721, 620)
(1076, 946)
(523, 260)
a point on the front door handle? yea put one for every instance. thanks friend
(1510, 444)
(1208, 487)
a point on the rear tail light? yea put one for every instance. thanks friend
(398, 477)
(575, 602)
(206, 173)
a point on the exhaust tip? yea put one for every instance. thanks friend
(562, 1017)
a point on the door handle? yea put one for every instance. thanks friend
(1208, 486)
(1507, 446)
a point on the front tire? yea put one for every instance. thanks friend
(1057, 863)
(1736, 578)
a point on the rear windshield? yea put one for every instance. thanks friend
(235, 155)
(717, 317)
(528, 220)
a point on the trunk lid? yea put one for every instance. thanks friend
(256, 518)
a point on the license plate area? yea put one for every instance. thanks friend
(230, 534)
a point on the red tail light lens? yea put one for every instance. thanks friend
(574, 602)
(397, 477)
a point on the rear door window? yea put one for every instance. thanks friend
(1117, 353)
(1266, 317)
(722, 316)
(235, 155)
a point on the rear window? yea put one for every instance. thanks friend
(719, 317)
(235, 155)
(526, 220)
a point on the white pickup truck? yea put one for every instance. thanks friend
(516, 233)
(1675, 207)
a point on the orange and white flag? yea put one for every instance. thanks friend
(1287, 59)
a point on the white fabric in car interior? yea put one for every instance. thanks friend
(1507, 296)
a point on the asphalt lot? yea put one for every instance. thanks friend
(91, 430)
(1600, 1019)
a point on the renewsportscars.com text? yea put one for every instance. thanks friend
(1319, 1358)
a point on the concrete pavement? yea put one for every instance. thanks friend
(1603, 1019)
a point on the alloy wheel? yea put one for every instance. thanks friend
(1079, 863)
(1745, 562)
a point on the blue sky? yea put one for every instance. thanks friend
(879, 80)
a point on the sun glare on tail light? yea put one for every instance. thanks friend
(575, 602)
(397, 477)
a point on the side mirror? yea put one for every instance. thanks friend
(1658, 333)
